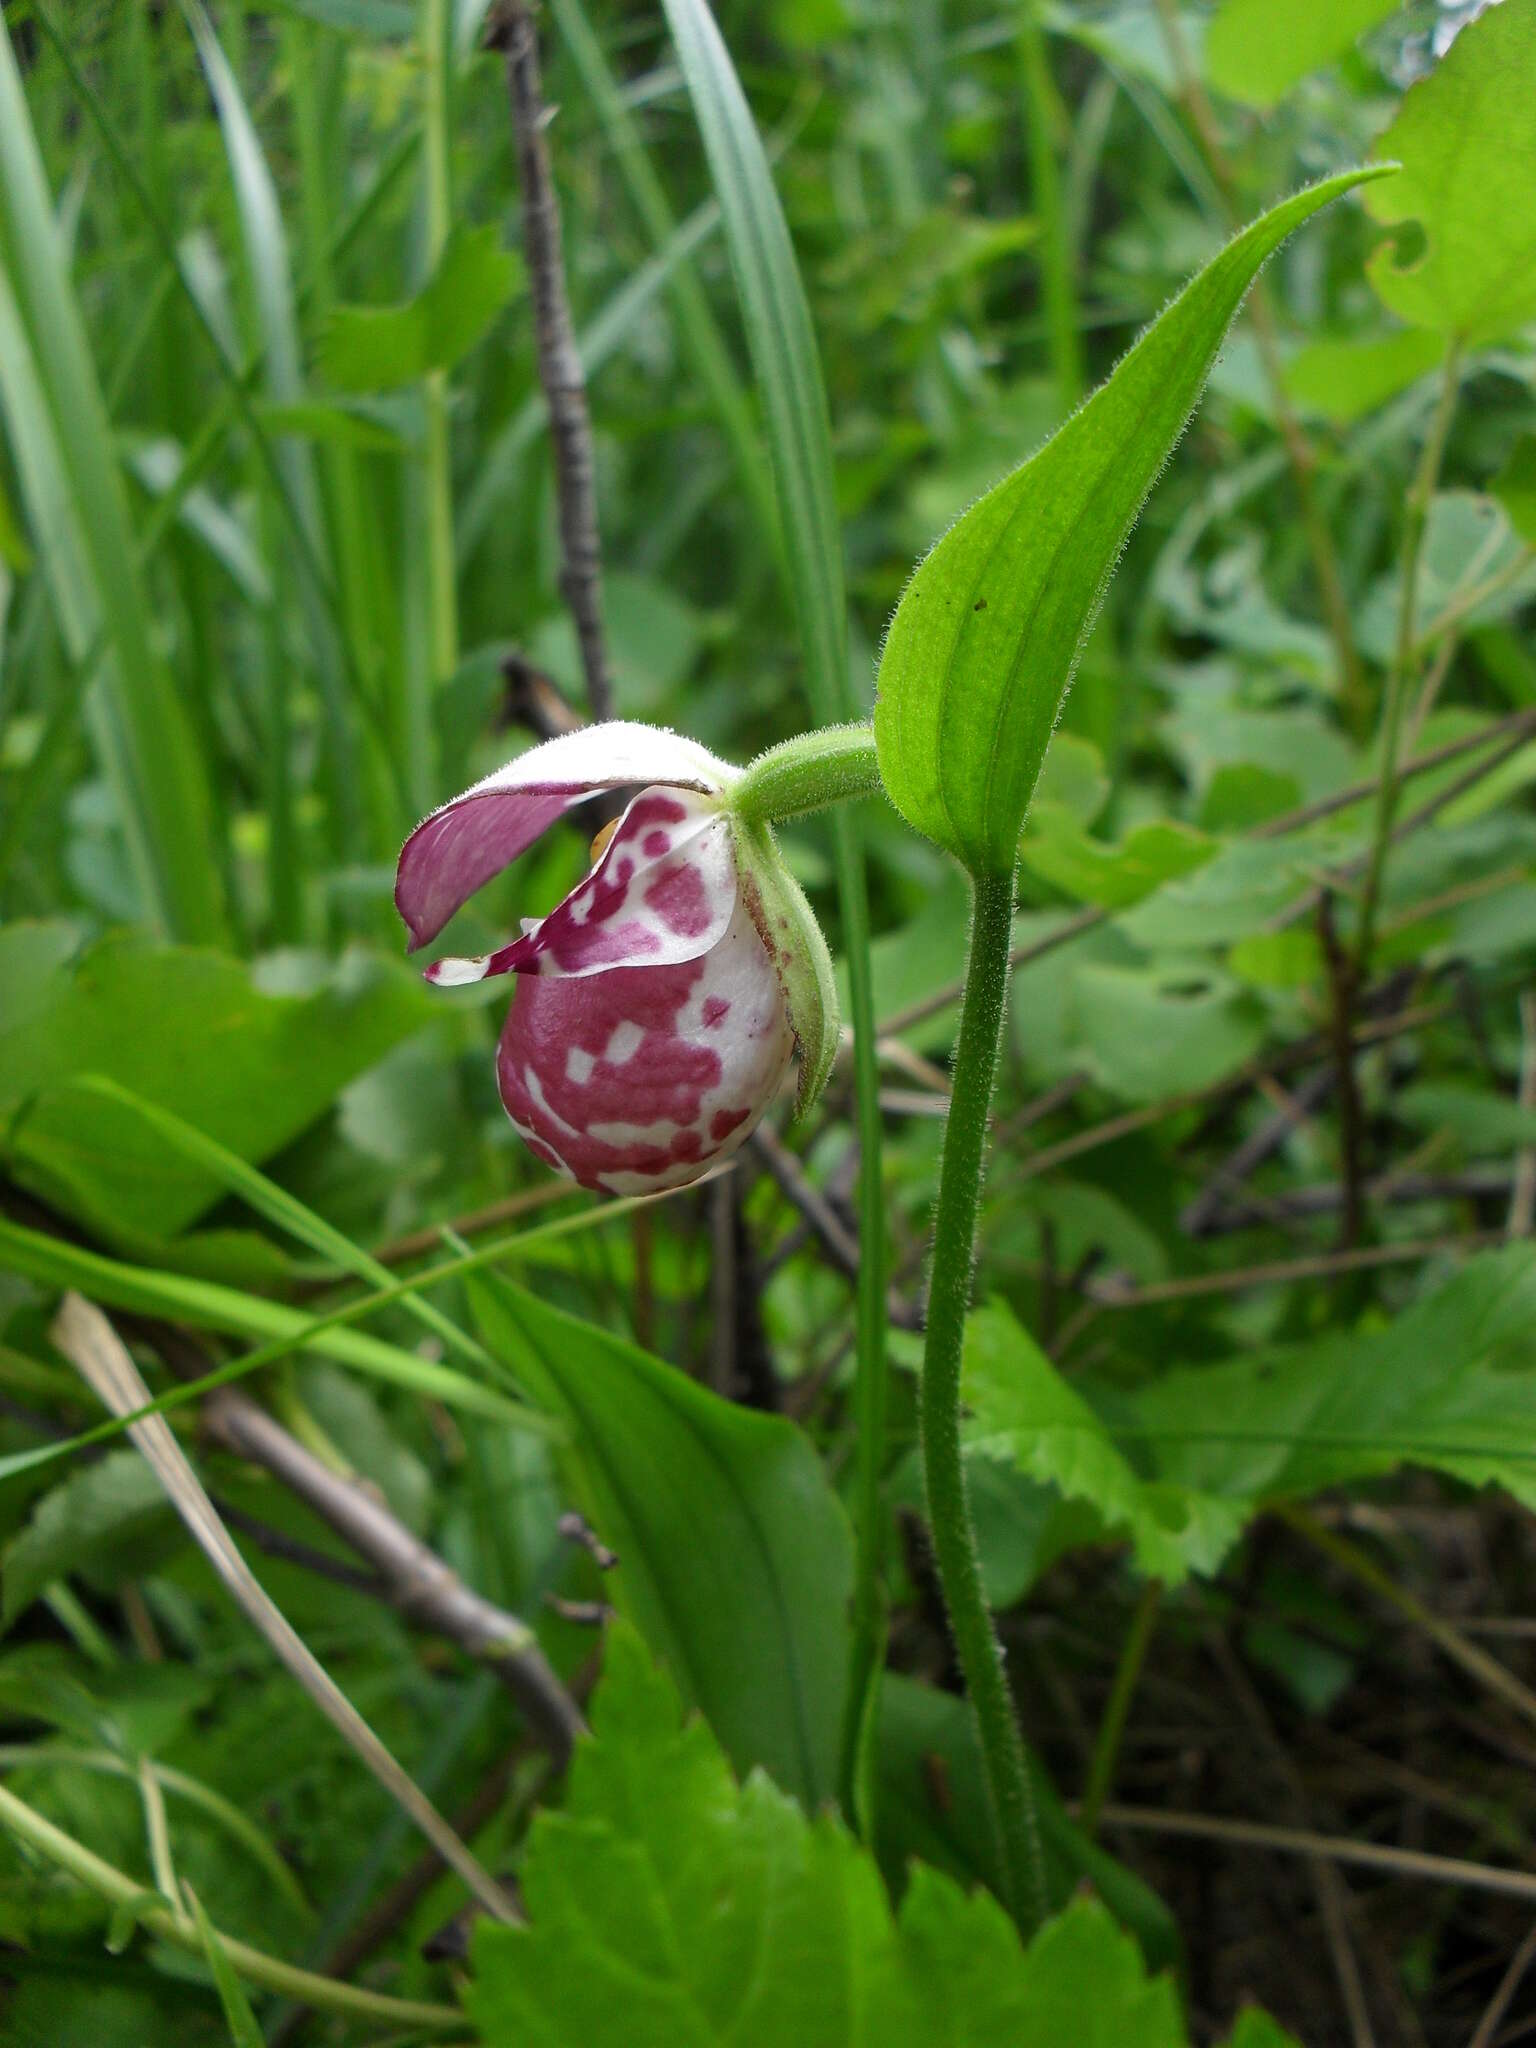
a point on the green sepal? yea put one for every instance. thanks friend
(788, 928)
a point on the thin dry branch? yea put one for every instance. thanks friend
(1247, 1834)
(511, 30)
(414, 1580)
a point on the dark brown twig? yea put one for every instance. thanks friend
(1522, 1205)
(1208, 1211)
(533, 701)
(1297, 1054)
(825, 1226)
(511, 31)
(1108, 1294)
(1342, 989)
(1519, 1963)
(1479, 1183)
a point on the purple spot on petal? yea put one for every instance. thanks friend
(679, 900)
(716, 1010)
(655, 844)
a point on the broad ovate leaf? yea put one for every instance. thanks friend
(1256, 51)
(984, 643)
(734, 1553)
(1466, 141)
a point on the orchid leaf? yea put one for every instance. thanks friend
(986, 639)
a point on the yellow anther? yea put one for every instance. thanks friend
(600, 843)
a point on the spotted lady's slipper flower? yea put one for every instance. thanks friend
(658, 1006)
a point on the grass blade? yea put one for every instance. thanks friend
(698, 331)
(55, 410)
(88, 1340)
(788, 370)
(208, 1305)
(281, 1208)
(266, 251)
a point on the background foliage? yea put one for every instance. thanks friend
(1252, 1385)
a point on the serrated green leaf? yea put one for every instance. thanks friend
(1255, 51)
(986, 638)
(1023, 1410)
(381, 348)
(668, 1903)
(1467, 146)
(734, 1552)
(928, 1739)
(1184, 1465)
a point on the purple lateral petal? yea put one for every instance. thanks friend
(663, 892)
(643, 1078)
(456, 850)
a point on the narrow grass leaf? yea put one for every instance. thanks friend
(782, 343)
(76, 501)
(238, 2017)
(281, 1208)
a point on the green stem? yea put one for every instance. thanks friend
(1106, 1748)
(1416, 520)
(325, 1994)
(1040, 120)
(867, 1657)
(833, 765)
(949, 1515)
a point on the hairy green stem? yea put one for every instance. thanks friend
(1415, 523)
(1106, 1748)
(833, 765)
(325, 1994)
(949, 1515)
(1040, 115)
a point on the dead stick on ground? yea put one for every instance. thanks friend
(1332, 1899)
(1522, 1206)
(416, 1582)
(511, 30)
(1488, 2026)
(86, 1338)
(1361, 1566)
(1343, 986)
(1323, 1265)
(1414, 1863)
